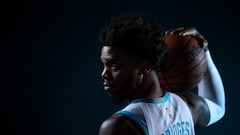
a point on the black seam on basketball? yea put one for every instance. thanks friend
(186, 70)
(180, 52)
(184, 46)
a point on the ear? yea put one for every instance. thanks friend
(144, 67)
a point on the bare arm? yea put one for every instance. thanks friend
(198, 108)
(120, 125)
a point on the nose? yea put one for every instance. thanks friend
(106, 74)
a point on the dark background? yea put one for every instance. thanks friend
(50, 67)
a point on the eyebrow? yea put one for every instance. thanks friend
(110, 58)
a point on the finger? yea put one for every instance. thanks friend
(169, 31)
(174, 31)
(189, 31)
(177, 31)
(195, 34)
(201, 40)
(203, 43)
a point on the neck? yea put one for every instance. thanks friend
(149, 87)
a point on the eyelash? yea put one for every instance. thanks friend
(113, 66)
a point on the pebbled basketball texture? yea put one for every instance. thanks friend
(186, 64)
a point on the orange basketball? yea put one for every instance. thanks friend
(187, 64)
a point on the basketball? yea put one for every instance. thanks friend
(186, 64)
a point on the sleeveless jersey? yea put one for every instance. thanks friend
(167, 115)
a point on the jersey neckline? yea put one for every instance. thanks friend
(153, 100)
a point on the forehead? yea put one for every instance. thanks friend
(113, 53)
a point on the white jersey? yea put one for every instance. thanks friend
(168, 115)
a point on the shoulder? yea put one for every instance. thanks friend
(198, 107)
(120, 125)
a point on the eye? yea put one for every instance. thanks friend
(115, 66)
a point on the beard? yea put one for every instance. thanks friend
(124, 91)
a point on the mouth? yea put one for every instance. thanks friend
(107, 86)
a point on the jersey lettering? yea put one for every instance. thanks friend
(179, 128)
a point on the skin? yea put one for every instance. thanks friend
(131, 75)
(128, 77)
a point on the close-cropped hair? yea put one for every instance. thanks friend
(137, 36)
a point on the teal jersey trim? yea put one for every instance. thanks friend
(153, 100)
(136, 119)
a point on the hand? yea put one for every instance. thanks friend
(191, 32)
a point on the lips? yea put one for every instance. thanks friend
(107, 85)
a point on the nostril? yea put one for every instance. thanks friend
(104, 73)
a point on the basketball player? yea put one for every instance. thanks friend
(131, 53)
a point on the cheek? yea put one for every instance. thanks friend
(118, 77)
(123, 79)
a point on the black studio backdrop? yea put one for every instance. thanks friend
(51, 80)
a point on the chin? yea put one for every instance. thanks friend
(116, 100)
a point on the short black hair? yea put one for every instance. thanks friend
(136, 35)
